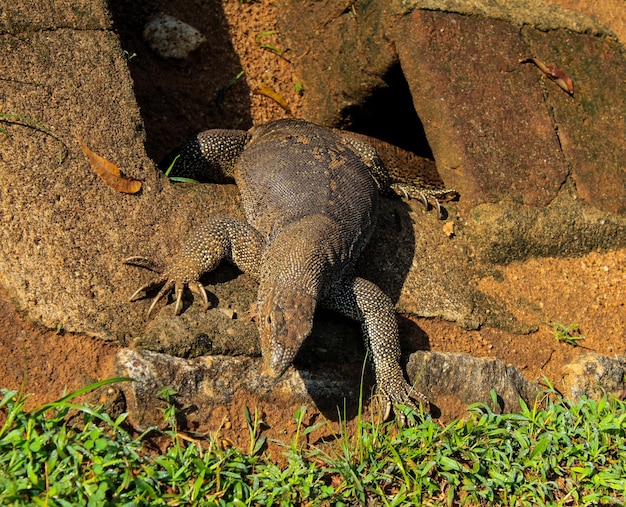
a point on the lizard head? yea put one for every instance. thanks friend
(285, 321)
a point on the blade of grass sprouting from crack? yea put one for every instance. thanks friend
(178, 179)
(265, 33)
(271, 47)
(61, 402)
(234, 80)
(171, 166)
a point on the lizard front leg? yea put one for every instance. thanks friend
(218, 238)
(365, 302)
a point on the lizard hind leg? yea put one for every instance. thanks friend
(366, 303)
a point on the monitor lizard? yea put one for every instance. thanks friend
(310, 199)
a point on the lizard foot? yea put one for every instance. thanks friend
(392, 396)
(426, 196)
(169, 278)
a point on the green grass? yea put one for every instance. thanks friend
(563, 454)
(177, 179)
(567, 334)
(269, 47)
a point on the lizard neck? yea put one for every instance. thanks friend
(294, 269)
(301, 255)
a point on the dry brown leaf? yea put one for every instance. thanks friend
(551, 71)
(268, 91)
(109, 172)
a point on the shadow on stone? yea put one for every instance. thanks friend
(164, 88)
(388, 114)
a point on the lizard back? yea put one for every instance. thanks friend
(292, 170)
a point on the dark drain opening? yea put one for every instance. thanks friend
(388, 114)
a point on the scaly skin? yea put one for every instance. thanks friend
(310, 197)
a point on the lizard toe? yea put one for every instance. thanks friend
(165, 290)
(404, 395)
(426, 196)
(147, 288)
(198, 288)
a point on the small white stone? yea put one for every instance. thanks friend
(170, 37)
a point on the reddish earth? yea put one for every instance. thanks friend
(589, 291)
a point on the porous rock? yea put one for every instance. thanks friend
(594, 375)
(470, 379)
(202, 383)
(170, 37)
(498, 129)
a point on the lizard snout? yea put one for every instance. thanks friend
(278, 361)
(285, 321)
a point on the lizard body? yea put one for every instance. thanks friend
(310, 198)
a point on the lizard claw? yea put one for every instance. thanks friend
(145, 262)
(167, 284)
(424, 201)
(165, 290)
(179, 300)
(440, 214)
(407, 397)
(388, 406)
(198, 288)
